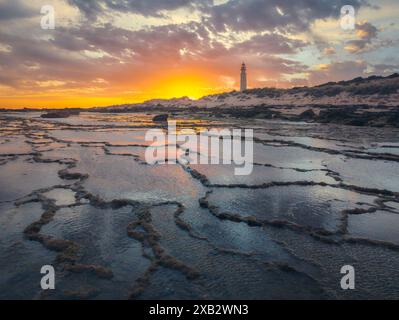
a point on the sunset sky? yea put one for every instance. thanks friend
(105, 52)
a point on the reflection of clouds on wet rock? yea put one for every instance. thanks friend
(76, 193)
(19, 177)
(317, 207)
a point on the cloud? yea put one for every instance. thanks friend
(271, 36)
(237, 15)
(366, 32)
(286, 15)
(329, 51)
(384, 68)
(270, 44)
(85, 53)
(338, 71)
(90, 8)
(356, 46)
(15, 9)
(94, 8)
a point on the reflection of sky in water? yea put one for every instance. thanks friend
(101, 232)
(19, 178)
(367, 173)
(318, 207)
(379, 225)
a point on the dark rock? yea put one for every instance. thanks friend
(335, 115)
(160, 118)
(308, 114)
(394, 119)
(60, 114)
(357, 122)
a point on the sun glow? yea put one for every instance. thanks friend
(190, 84)
(193, 86)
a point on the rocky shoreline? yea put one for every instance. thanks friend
(355, 115)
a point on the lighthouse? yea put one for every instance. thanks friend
(243, 83)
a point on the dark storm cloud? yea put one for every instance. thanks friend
(146, 51)
(65, 39)
(94, 8)
(271, 44)
(64, 56)
(32, 60)
(385, 69)
(154, 42)
(30, 50)
(338, 71)
(8, 80)
(90, 8)
(15, 9)
(165, 42)
(237, 15)
(82, 52)
(152, 7)
(366, 30)
(366, 33)
(289, 15)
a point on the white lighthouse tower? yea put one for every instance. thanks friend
(243, 83)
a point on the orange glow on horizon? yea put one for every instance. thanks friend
(182, 84)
